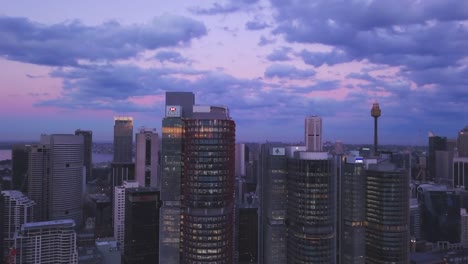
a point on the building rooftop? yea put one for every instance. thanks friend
(54, 223)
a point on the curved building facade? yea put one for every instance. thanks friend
(311, 209)
(387, 215)
(208, 189)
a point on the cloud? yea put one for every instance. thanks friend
(255, 25)
(317, 59)
(229, 6)
(280, 54)
(65, 44)
(287, 71)
(265, 41)
(171, 56)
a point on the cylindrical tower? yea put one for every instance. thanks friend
(375, 113)
(208, 191)
(311, 209)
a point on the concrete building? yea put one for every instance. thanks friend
(88, 151)
(435, 143)
(464, 227)
(109, 251)
(56, 178)
(415, 220)
(17, 210)
(119, 211)
(313, 133)
(47, 242)
(147, 158)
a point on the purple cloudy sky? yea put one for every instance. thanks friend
(76, 64)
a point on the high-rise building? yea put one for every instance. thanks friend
(435, 143)
(440, 214)
(179, 105)
(460, 172)
(123, 139)
(311, 208)
(66, 177)
(202, 138)
(464, 227)
(19, 166)
(47, 242)
(273, 203)
(462, 142)
(141, 226)
(387, 214)
(119, 211)
(56, 178)
(88, 151)
(247, 233)
(444, 167)
(2, 244)
(17, 210)
(415, 219)
(313, 133)
(147, 158)
(38, 180)
(208, 186)
(351, 210)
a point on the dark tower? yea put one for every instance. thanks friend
(375, 113)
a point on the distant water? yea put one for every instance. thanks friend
(101, 157)
(5, 154)
(97, 157)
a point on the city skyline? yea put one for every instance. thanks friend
(77, 65)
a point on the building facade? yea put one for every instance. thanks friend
(141, 226)
(17, 210)
(387, 214)
(147, 158)
(462, 143)
(19, 167)
(352, 211)
(123, 139)
(313, 133)
(87, 151)
(311, 209)
(273, 203)
(119, 211)
(47, 242)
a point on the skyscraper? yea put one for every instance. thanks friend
(273, 203)
(313, 133)
(66, 177)
(56, 178)
(352, 212)
(387, 214)
(19, 166)
(208, 186)
(435, 143)
(141, 226)
(38, 180)
(88, 151)
(47, 242)
(202, 138)
(17, 210)
(147, 158)
(311, 208)
(2, 235)
(179, 105)
(119, 211)
(123, 139)
(462, 142)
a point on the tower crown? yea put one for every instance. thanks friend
(375, 111)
